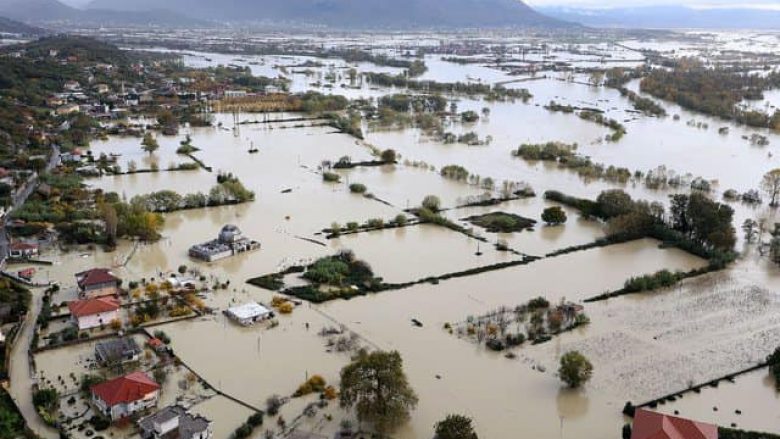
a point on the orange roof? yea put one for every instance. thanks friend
(652, 425)
(155, 342)
(23, 246)
(131, 387)
(88, 307)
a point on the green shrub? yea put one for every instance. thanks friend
(357, 188)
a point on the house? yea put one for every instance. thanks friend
(67, 109)
(92, 313)
(174, 422)
(97, 282)
(230, 242)
(249, 313)
(652, 425)
(156, 344)
(22, 250)
(235, 94)
(117, 352)
(125, 396)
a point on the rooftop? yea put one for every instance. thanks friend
(131, 387)
(88, 307)
(652, 425)
(188, 426)
(113, 350)
(95, 276)
(248, 310)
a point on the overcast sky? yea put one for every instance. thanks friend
(771, 4)
(768, 4)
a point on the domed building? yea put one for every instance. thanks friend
(229, 242)
(230, 234)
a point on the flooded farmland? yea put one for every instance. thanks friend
(642, 346)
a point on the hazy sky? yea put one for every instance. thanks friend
(773, 4)
(769, 4)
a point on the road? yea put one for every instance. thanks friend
(19, 367)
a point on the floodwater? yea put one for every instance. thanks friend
(642, 346)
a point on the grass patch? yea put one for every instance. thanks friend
(501, 222)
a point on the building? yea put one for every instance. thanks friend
(230, 242)
(92, 313)
(125, 396)
(174, 422)
(249, 313)
(235, 94)
(652, 425)
(117, 352)
(22, 250)
(97, 282)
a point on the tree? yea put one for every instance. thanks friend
(750, 227)
(614, 202)
(112, 221)
(432, 203)
(389, 156)
(575, 369)
(554, 216)
(149, 143)
(455, 427)
(376, 386)
(771, 185)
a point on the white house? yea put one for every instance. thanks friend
(174, 422)
(125, 396)
(249, 313)
(92, 313)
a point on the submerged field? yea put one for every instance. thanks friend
(642, 346)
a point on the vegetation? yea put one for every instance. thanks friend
(491, 93)
(731, 433)
(554, 216)
(331, 177)
(501, 222)
(340, 270)
(575, 369)
(773, 360)
(376, 386)
(713, 91)
(455, 172)
(455, 427)
(246, 429)
(357, 188)
(771, 185)
(660, 279)
(432, 203)
(566, 157)
(12, 423)
(315, 384)
(149, 143)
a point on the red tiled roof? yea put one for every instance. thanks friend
(80, 308)
(23, 246)
(652, 425)
(155, 342)
(95, 276)
(128, 388)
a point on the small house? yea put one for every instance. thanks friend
(125, 396)
(156, 344)
(116, 352)
(652, 425)
(93, 313)
(22, 250)
(97, 282)
(174, 422)
(249, 313)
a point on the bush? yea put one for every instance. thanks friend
(357, 188)
(432, 203)
(331, 177)
(352, 226)
(575, 369)
(400, 219)
(255, 420)
(315, 383)
(554, 216)
(389, 156)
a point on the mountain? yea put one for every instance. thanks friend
(8, 26)
(352, 13)
(41, 11)
(669, 17)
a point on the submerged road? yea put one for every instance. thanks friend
(19, 368)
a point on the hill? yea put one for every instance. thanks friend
(353, 13)
(669, 17)
(37, 11)
(9, 26)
